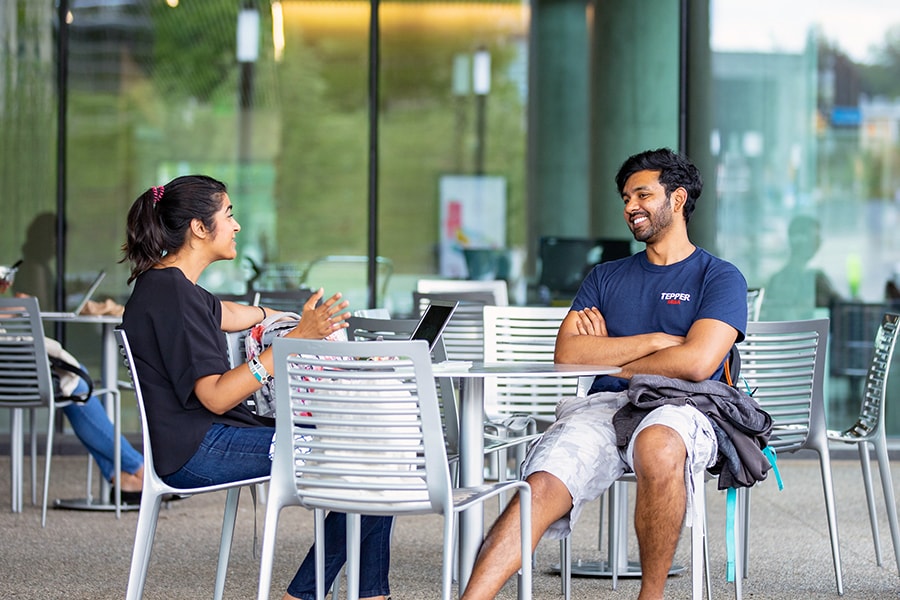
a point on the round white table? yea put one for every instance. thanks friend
(471, 436)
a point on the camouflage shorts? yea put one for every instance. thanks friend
(579, 448)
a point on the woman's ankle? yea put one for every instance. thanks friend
(129, 482)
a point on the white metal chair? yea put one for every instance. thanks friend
(155, 489)
(869, 429)
(464, 334)
(370, 329)
(755, 297)
(523, 334)
(363, 432)
(498, 287)
(26, 383)
(361, 328)
(528, 334)
(783, 365)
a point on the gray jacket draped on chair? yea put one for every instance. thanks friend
(742, 427)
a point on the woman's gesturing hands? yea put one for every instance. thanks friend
(317, 322)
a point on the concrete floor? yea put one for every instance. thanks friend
(86, 555)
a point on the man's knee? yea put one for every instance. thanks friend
(548, 491)
(659, 449)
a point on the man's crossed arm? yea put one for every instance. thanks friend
(583, 339)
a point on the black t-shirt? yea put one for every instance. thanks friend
(174, 329)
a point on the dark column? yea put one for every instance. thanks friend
(699, 115)
(558, 116)
(634, 96)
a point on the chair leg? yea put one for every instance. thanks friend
(16, 458)
(618, 530)
(706, 556)
(887, 486)
(50, 427)
(353, 547)
(448, 556)
(143, 544)
(740, 543)
(228, 520)
(743, 518)
(267, 552)
(866, 467)
(502, 459)
(524, 589)
(319, 543)
(698, 535)
(565, 566)
(33, 444)
(828, 488)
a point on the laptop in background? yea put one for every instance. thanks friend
(84, 300)
(433, 322)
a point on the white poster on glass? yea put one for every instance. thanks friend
(473, 215)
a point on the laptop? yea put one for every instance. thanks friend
(77, 311)
(433, 321)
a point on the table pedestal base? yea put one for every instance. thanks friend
(88, 504)
(601, 568)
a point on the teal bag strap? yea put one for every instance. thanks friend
(730, 502)
(730, 506)
(769, 452)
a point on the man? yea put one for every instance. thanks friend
(673, 310)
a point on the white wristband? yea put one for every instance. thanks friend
(259, 371)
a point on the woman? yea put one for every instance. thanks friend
(201, 431)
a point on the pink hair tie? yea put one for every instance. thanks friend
(157, 192)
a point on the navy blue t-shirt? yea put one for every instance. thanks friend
(638, 297)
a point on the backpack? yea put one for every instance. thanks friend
(65, 372)
(58, 370)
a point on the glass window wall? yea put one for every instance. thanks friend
(273, 98)
(805, 140)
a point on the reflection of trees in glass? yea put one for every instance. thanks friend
(844, 85)
(882, 77)
(323, 158)
(194, 49)
(28, 105)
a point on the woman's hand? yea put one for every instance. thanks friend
(317, 322)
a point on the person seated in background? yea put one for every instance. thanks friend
(35, 277)
(797, 289)
(892, 286)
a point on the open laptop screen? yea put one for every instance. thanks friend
(435, 318)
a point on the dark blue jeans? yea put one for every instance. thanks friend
(93, 427)
(375, 557)
(233, 453)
